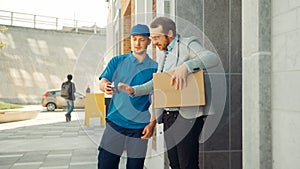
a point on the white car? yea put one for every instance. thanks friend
(52, 100)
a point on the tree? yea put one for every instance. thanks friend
(2, 43)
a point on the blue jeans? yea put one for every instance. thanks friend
(70, 107)
(115, 140)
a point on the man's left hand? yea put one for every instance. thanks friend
(149, 130)
(125, 88)
(179, 77)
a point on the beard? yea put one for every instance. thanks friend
(164, 46)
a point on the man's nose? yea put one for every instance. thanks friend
(137, 42)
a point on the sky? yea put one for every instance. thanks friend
(85, 10)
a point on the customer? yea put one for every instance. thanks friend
(88, 89)
(67, 91)
(128, 119)
(182, 125)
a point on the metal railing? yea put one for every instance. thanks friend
(48, 22)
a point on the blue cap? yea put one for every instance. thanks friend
(140, 29)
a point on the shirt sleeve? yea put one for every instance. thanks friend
(143, 89)
(74, 88)
(109, 70)
(202, 58)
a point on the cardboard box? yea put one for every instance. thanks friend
(166, 95)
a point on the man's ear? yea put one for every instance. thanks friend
(149, 41)
(170, 33)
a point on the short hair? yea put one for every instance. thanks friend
(69, 77)
(166, 24)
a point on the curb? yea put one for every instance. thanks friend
(26, 113)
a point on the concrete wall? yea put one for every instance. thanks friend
(285, 83)
(271, 65)
(220, 21)
(257, 136)
(38, 60)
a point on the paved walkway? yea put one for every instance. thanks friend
(48, 142)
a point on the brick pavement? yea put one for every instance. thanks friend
(48, 142)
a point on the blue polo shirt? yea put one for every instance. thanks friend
(125, 111)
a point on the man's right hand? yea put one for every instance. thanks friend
(179, 77)
(125, 88)
(105, 87)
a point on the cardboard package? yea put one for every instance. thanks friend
(166, 95)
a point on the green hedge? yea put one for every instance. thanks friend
(4, 106)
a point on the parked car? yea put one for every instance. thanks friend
(52, 100)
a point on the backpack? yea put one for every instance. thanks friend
(65, 90)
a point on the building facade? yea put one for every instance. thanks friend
(257, 44)
(223, 148)
(271, 74)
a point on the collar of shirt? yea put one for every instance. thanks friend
(171, 45)
(134, 59)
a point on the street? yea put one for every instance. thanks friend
(49, 142)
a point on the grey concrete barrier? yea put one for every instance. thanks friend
(11, 115)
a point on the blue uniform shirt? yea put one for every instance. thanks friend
(126, 111)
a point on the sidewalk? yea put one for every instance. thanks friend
(48, 142)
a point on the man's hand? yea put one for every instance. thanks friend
(179, 77)
(125, 88)
(105, 87)
(149, 130)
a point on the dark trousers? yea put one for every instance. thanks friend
(182, 139)
(115, 140)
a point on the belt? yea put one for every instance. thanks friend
(171, 109)
(170, 112)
